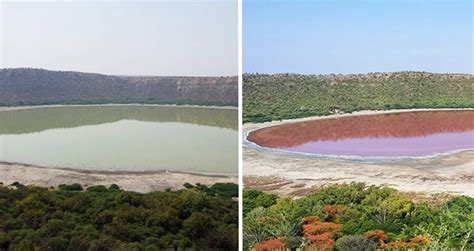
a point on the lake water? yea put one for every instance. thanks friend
(123, 138)
(410, 134)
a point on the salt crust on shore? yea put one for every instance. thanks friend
(132, 181)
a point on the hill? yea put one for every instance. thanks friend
(285, 96)
(22, 86)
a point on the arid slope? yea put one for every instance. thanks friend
(42, 87)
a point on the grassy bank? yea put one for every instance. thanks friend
(357, 217)
(287, 96)
(101, 218)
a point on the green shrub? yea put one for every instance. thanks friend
(227, 190)
(355, 243)
(97, 189)
(255, 198)
(73, 187)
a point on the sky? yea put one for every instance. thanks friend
(162, 38)
(354, 36)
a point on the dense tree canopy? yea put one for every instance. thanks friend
(286, 96)
(101, 218)
(356, 217)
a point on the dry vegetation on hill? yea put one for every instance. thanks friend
(41, 87)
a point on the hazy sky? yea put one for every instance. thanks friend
(357, 36)
(148, 38)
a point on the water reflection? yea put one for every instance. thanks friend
(39, 119)
(408, 133)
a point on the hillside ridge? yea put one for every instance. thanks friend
(31, 86)
(280, 96)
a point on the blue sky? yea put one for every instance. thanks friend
(321, 37)
(188, 37)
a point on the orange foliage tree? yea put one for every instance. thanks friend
(270, 245)
(333, 210)
(377, 235)
(319, 234)
(414, 243)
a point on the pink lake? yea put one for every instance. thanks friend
(410, 134)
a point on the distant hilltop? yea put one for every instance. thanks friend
(367, 75)
(26, 86)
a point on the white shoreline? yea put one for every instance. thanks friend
(15, 108)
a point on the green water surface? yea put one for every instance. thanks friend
(122, 138)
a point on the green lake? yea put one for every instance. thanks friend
(122, 138)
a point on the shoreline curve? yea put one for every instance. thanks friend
(290, 174)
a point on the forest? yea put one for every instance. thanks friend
(69, 217)
(355, 217)
(286, 96)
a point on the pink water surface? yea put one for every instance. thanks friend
(409, 146)
(396, 134)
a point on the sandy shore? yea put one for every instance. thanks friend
(287, 174)
(132, 181)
